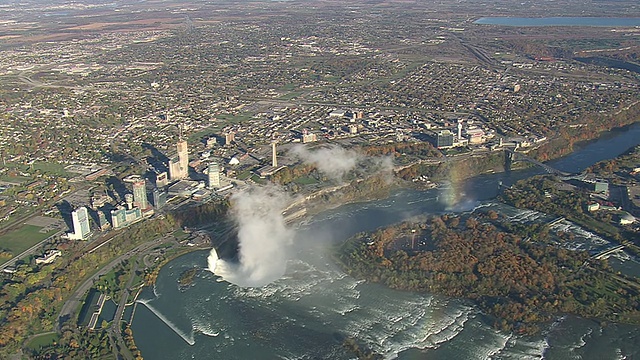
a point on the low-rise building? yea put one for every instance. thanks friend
(601, 187)
(627, 219)
(48, 257)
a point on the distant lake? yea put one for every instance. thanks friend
(559, 21)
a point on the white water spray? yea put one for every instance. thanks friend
(333, 161)
(186, 337)
(263, 239)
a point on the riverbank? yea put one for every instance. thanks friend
(460, 168)
(391, 257)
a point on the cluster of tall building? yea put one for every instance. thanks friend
(123, 216)
(472, 135)
(135, 208)
(179, 167)
(136, 205)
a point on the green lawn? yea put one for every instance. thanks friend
(42, 340)
(137, 280)
(45, 167)
(14, 179)
(51, 168)
(108, 283)
(21, 239)
(181, 235)
(244, 175)
(258, 180)
(23, 210)
(306, 180)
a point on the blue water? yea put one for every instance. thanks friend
(559, 21)
(108, 312)
(305, 314)
(609, 145)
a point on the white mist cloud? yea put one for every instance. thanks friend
(264, 239)
(383, 165)
(333, 161)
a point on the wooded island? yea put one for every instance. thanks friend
(519, 282)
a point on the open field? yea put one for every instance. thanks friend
(45, 167)
(16, 180)
(21, 239)
(42, 341)
(307, 180)
(50, 168)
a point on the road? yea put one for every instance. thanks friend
(114, 329)
(6, 227)
(76, 298)
(429, 161)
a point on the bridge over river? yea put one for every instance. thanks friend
(511, 156)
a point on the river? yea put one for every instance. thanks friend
(306, 314)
